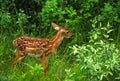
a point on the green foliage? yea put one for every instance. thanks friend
(34, 73)
(22, 22)
(69, 75)
(100, 32)
(49, 11)
(95, 24)
(99, 60)
(5, 22)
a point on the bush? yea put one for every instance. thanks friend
(99, 60)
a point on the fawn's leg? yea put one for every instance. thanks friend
(45, 66)
(44, 63)
(19, 56)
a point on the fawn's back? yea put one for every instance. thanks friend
(33, 45)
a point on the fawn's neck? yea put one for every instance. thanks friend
(57, 39)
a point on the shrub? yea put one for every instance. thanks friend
(99, 59)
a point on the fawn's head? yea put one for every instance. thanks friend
(63, 30)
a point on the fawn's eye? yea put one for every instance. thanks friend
(67, 32)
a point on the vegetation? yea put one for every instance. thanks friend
(93, 54)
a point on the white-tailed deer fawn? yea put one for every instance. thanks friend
(42, 47)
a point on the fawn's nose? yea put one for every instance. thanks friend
(72, 36)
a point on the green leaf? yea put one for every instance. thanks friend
(105, 35)
(109, 31)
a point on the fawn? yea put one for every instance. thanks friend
(43, 47)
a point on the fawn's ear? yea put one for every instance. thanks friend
(55, 26)
(66, 27)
